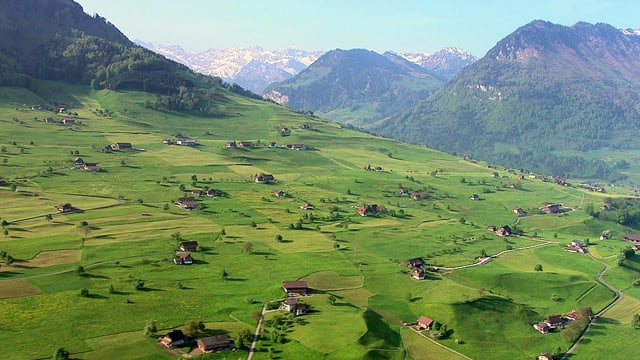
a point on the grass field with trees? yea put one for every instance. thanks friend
(89, 281)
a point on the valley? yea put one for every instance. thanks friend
(91, 280)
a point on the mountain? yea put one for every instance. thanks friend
(57, 40)
(253, 68)
(357, 87)
(445, 63)
(542, 93)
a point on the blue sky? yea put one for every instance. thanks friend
(395, 25)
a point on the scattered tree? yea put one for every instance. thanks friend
(84, 292)
(224, 274)
(139, 284)
(279, 238)
(636, 321)
(538, 268)
(150, 328)
(332, 300)
(61, 354)
(248, 247)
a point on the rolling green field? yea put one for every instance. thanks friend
(133, 228)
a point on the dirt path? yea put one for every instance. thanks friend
(594, 319)
(252, 349)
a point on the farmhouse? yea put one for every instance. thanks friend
(519, 212)
(230, 144)
(545, 356)
(554, 321)
(197, 192)
(475, 197)
(292, 305)
(77, 161)
(264, 178)
(415, 262)
(279, 193)
(65, 208)
(631, 237)
(503, 231)
(306, 206)
(542, 328)
(187, 142)
(211, 192)
(404, 192)
(216, 343)
(416, 195)
(121, 146)
(424, 323)
(247, 144)
(418, 274)
(67, 121)
(183, 259)
(189, 246)
(91, 167)
(295, 288)
(295, 146)
(175, 338)
(552, 208)
(187, 203)
(308, 126)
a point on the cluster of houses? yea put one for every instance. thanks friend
(264, 178)
(181, 142)
(367, 210)
(85, 166)
(634, 239)
(65, 208)
(183, 256)
(271, 144)
(555, 322)
(177, 338)
(576, 246)
(553, 208)
(415, 195)
(294, 289)
(417, 267)
(65, 121)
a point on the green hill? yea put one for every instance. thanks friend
(127, 226)
(548, 98)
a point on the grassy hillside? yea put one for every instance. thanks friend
(133, 226)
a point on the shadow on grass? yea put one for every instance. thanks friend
(94, 276)
(96, 296)
(235, 279)
(146, 289)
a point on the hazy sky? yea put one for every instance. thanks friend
(379, 25)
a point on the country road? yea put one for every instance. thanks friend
(619, 297)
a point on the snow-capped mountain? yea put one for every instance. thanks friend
(446, 62)
(253, 68)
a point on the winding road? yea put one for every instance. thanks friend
(619, 297)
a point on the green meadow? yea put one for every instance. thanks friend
(126, 228)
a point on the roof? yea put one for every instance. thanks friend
(554, 319)
(296, 284)
(291, 301)
(215, 340)
(175, 335)
(414, 262)
(631, 237)
(189, 244)
(425, 320)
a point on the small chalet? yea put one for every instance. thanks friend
(418, 274)
(503, 231)
(216, 343)
(67, 121)
(491, 228)
(494, 174)
(404, 192)
(520, 177)
(416, 195)
(295, 146)
(279, 193)
(475, 197)
(197, 192)
(424, 323)
(183, 259)
(64, 208)
(211, 192)
(247, 144)
(542, 328)
(292, 305)
(77, 161)
(285, 131)
(49, 120)
(272, 144)
(545, 356)
(189, 246)
(308, 126)
(230, 144)
(295, 288)
(91, 167)
(187, 203)
(121, 146)
(519, 212)
(264, 178)
(631, 237)
(187, 142)
(554, 321)
(306, 206)
(378, 169)
(415, 262)
(175, 338)
(552, 208)
(572, 315)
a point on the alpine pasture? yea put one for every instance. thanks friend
(126, 228)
